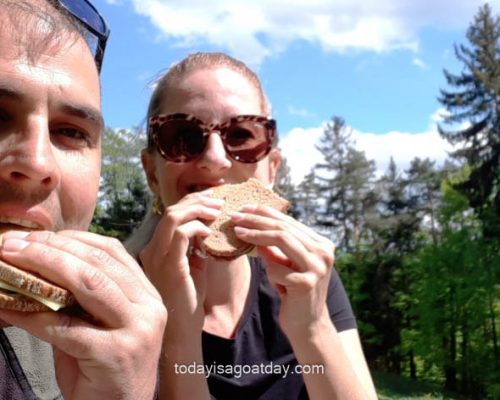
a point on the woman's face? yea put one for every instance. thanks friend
(213, 95)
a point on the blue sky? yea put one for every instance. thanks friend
(378, 64)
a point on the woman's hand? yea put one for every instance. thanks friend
(181, 279)
(177, 272)
(115, 353)
(299, 265)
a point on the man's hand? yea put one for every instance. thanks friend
(115, 353)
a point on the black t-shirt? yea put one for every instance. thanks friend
(254, 364)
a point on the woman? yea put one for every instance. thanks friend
(248, 325)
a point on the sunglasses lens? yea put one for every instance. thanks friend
(180, 140)
(96, 29)
(87, 14)
(248, 141)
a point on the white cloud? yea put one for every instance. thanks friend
(253, 30)
(298, 148)
(402, 147)
(439, 115)
(300, 112)
(419, 63)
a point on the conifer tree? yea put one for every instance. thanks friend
(344, 183)
(123, 194)
(474, 102)
(285, 187)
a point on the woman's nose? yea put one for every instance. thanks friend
(214, 155)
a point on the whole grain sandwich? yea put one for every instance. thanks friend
(223, 243)
(21, 290)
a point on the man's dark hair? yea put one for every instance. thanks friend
(39, 26)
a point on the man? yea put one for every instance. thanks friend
(50, 150)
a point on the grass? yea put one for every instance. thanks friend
(392, 387)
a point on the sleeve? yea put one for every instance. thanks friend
(338, 304)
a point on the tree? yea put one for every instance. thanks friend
(394, 229)
(123, 195)
(456, 284)
(307, 201)
(285, 187)
(424, 186)
(344, 181)
(475, 102)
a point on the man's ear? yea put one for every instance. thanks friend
(274, 164)
(149, 165)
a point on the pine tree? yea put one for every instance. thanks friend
(398, 220)
(475, 102)
(124, 194)
(424, 187)
(344, 182)
(307, 201)
(285, 187)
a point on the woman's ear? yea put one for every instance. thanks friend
(274, 163)
(149, 165)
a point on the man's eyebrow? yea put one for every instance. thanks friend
(77, 110)
(8, 91)
(83, 112)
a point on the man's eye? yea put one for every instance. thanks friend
(73, 136)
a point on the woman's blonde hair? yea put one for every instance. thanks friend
(194, 62)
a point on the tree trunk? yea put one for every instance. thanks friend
(450, 370)
(493, 329)
(413, 366)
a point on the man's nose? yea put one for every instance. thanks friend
(214, 155)
(28, 159)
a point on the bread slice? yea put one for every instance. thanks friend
(24, 291)
(223, 243)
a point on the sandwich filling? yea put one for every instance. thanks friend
(10, 290)
(6, 279)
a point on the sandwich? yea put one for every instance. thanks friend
(223, 243)
(21, 290)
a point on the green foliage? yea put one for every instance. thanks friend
(418, 250)
(343, 179)
(476, 102)
(394, 387)
(456, 286)
(124, 195)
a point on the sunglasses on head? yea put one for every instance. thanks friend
(95, 25)
(182, 137)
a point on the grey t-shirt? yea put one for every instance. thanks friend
(26, 367)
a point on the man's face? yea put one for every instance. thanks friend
(50, 136)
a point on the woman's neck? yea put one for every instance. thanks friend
(228, 284)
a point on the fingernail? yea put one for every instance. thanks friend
(236, 216)
(14, 245)
(239, 230)
(15, 234)
(249, 207)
